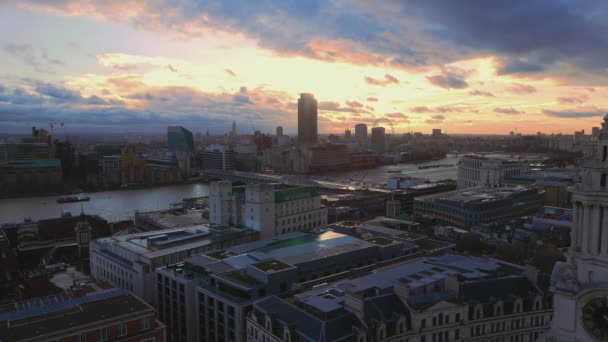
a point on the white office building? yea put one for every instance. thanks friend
(129, 261)
(270, 209)
(475, 171)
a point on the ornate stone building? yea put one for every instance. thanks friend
(581, 283)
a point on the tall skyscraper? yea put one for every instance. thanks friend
(307, 120)
(378, 140)
(233, 131)
(361, 133)
(180, 139)
(279, 131)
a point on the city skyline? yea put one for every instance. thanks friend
(108, 66)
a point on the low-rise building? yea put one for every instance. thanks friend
(207, 297)
(129, 261)
(469, 207)
(110, 315)
(448, 298)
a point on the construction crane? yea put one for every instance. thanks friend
(53, 124)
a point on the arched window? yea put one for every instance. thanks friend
(603, 180)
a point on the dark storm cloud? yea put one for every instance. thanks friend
(448, 80)
(521, 89)
(508, 111)
(157, 108)
(531, 36)
(481, 93)
(574, 113)
(388, 79)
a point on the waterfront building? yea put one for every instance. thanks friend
(128, 261)
(180, 139)
(580, 282)
(470, 207)
(270, 209)
(30, 176)
(307, 120)
(447, 298)
(475, 170)
(110, 315)
(362, 160)
(327, 157)
(38, 146)
(218, 157)
(378, 140)
(215, 291)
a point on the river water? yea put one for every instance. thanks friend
(121, 204)
(380, 174)
(111, 205)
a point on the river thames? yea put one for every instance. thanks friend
(121, 204)
(111, 205)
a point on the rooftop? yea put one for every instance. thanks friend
(415, 274)
(293, 194)
(280, 252)
(162, 242)
(49, 315)
(477, 195)
(174, 218)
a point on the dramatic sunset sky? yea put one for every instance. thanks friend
(463, 66)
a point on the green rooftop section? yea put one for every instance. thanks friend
(221, 255)
(295, 194)
(403, 216)
(241, 277)
(271, 265)
(431, 245)
(411, 236)
(380, 241)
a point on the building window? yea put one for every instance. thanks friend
(81, 338)
(144, 324)
(605, 153)
(102, 334)
(603, 180)
(122, 329)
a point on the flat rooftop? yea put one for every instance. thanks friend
(477, 195)
(415, 273)
(289, 249)
(162, 242)
(175, 218)
(49, 315)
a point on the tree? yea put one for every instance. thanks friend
(471, 243)
(546, 258)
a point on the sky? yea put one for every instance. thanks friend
(467, 67)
